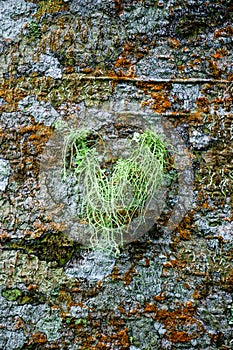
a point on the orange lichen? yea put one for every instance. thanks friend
(167, 264)
(181, 68)
(196, 295)
(132, 53)
(174, 43)
(175, 320)
(203, 104)
(118, 7)
(205, 205)
(19, 323)
(128, 275)
(159, 102)
(185, 227)
(147, 262)
(217, 55)
(123, 62)
(150, 308)
(123, 338)
(121, 309)
(4, 236)
(160, 297)
(118, 338)
(25, 139)
(184, 233)
(228, 280)
(115, 273)
(32, 287)
(37, 338)
(13, 90)
(215, 69)
(178, 263)
(225, 31)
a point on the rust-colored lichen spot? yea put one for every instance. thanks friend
(128, 276)
(217, 54)
(28, 142)
(122, 338)
(150, 308)
(118, 7)
(131, 53)
(223, 32)
(215, 69)
(115, 273)
(229, 279)
(19, 323)
(150, 87)
(37, 339)
(159, 98)
(178, 322)
(12, 90)
(39, 229)
(61, 35)
(123, 62)
(160, 102)
(174, 43)
(203, 104)
(118, 337)
(4, 235)
(197, 295)
(160, 297)
(185, 228)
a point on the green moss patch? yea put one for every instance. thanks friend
(11, 294)
(50, 247)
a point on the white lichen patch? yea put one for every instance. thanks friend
(43, 112)
(49, 65)
(94, 266)
(50, 326)
(4, 173)
(185, 96)
(13, 17)
(199, 139)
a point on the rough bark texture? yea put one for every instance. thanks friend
(89, 61)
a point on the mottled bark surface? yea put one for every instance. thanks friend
(92, 63)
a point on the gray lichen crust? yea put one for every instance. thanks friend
(91, 63)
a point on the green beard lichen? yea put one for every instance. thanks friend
(115, 192)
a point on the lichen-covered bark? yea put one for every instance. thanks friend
(89, 62)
